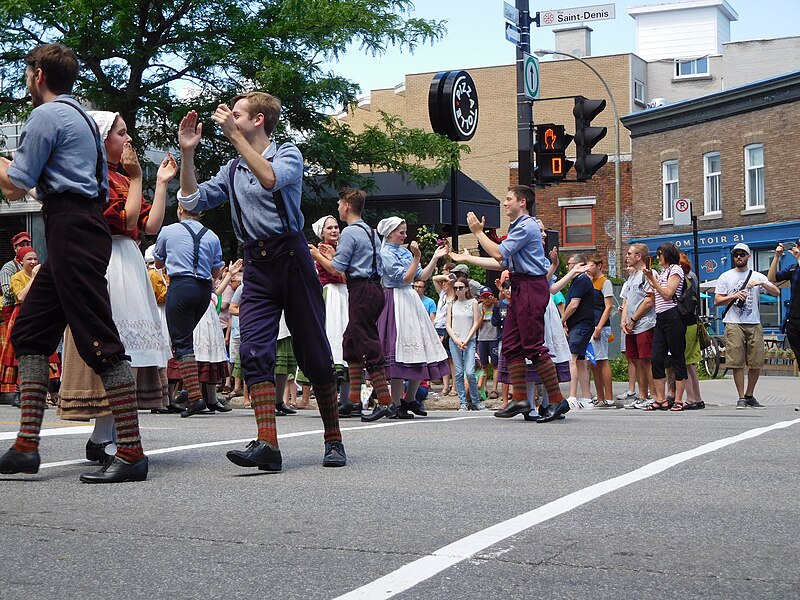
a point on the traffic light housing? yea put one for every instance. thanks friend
(586, 137)
(550, 149)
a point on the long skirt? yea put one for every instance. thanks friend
(556, 341)
(138, 320)
(411, 345)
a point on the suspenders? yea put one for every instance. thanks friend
(196, 238)
(277, 196)
(102, 194)
(371, 235)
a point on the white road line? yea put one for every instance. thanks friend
(81, 429)
(283, 436)
(428, 566)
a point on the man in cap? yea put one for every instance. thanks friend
(738, 290)
(463, 271)
(9, 392)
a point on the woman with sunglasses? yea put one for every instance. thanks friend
(669, 334)
(464, 318)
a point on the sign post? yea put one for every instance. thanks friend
(531, 75)
(682, 212)
(682, 215)
(565, 16)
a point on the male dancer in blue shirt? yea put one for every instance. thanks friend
(358, 257)
(61, 155)
(522, 253)
(264, 186)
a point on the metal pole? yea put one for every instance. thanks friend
(696, 261)
(524, 106)
(454, 207)
(617, 174)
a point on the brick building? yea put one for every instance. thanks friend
(729, 152)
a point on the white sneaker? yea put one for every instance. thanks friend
(642, 404)
(573, 402)
(627, 395)
(631, 405)
(462, 409)
(585, 403)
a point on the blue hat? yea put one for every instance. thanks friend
(486, 291)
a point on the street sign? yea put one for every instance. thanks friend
(682, 213)
(531, 71)
(512, 33)
(565, 16)
(510, 13)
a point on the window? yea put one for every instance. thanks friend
(671, 187)
(713, 183)
(754, 176)
(769, 306)
(638, 91)
(691, 68)
(578, 225)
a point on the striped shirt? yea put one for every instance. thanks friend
(663, 305)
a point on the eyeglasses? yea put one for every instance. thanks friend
(459, 287)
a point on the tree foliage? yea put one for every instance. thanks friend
(151, 60)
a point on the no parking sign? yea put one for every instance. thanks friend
(682, 211)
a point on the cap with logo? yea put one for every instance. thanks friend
(485, 291)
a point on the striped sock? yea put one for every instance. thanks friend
(262, 399)
(34, 372)
(547, 372)
(191, 383)
(328, 409)
(518, 371)
(356, 373)
(121, 393)
(378, 378)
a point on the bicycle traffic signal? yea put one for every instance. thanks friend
(586, 137)
(550, 149)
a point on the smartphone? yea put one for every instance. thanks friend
(648, 262)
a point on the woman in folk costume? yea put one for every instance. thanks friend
(410, 342)
(19, 285)
(133, 304)
(334, 290)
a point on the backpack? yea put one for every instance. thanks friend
(687, 303)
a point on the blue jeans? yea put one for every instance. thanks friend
(464, 364)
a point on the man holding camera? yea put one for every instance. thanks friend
(738, 290)
(791, 324)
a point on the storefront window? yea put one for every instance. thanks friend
(769, 306)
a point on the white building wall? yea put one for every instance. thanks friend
(752, 60)
(687, 33)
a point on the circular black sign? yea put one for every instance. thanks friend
(453, 105)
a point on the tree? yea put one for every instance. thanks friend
(150, 60)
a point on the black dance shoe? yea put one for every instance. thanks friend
(285, 408)
(97, 452)
(334, 455)
(513, 409)
(19, 462)
(414, 407)
(118, 471)
(349, 410)
(551, 413)
(194, 408)
(380, 411)
(257, 454)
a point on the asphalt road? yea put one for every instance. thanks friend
(600, 505)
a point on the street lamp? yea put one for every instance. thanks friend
(617, 192)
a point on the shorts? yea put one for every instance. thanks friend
(639, 345)
(579, 337)
(487, 352)
(233, 349)
(693, 354)
(445, 337)
(600, 345)
(744, 346)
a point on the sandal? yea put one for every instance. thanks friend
(494, 395)
(659, 406)
(234, 394)
(676, 407)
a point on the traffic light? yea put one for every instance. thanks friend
(586, 137)
(550, 149)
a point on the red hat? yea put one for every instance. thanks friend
(22, 236)
(22, 252)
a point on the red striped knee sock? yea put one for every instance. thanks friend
(547, 371)
(518, 371)
(191, 382)
(356, 373)
(262, 399)
(378, 378)
(34, 372)
(121, 393)
(328, 409)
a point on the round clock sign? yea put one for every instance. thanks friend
(453, 105)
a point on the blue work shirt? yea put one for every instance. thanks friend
(57, 152)
(396, 260)
(354, 251)
(523, 250)
(261, 218)
(175, 248)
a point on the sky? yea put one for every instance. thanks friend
(475, 36)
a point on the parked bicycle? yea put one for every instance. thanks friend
(714, 355)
